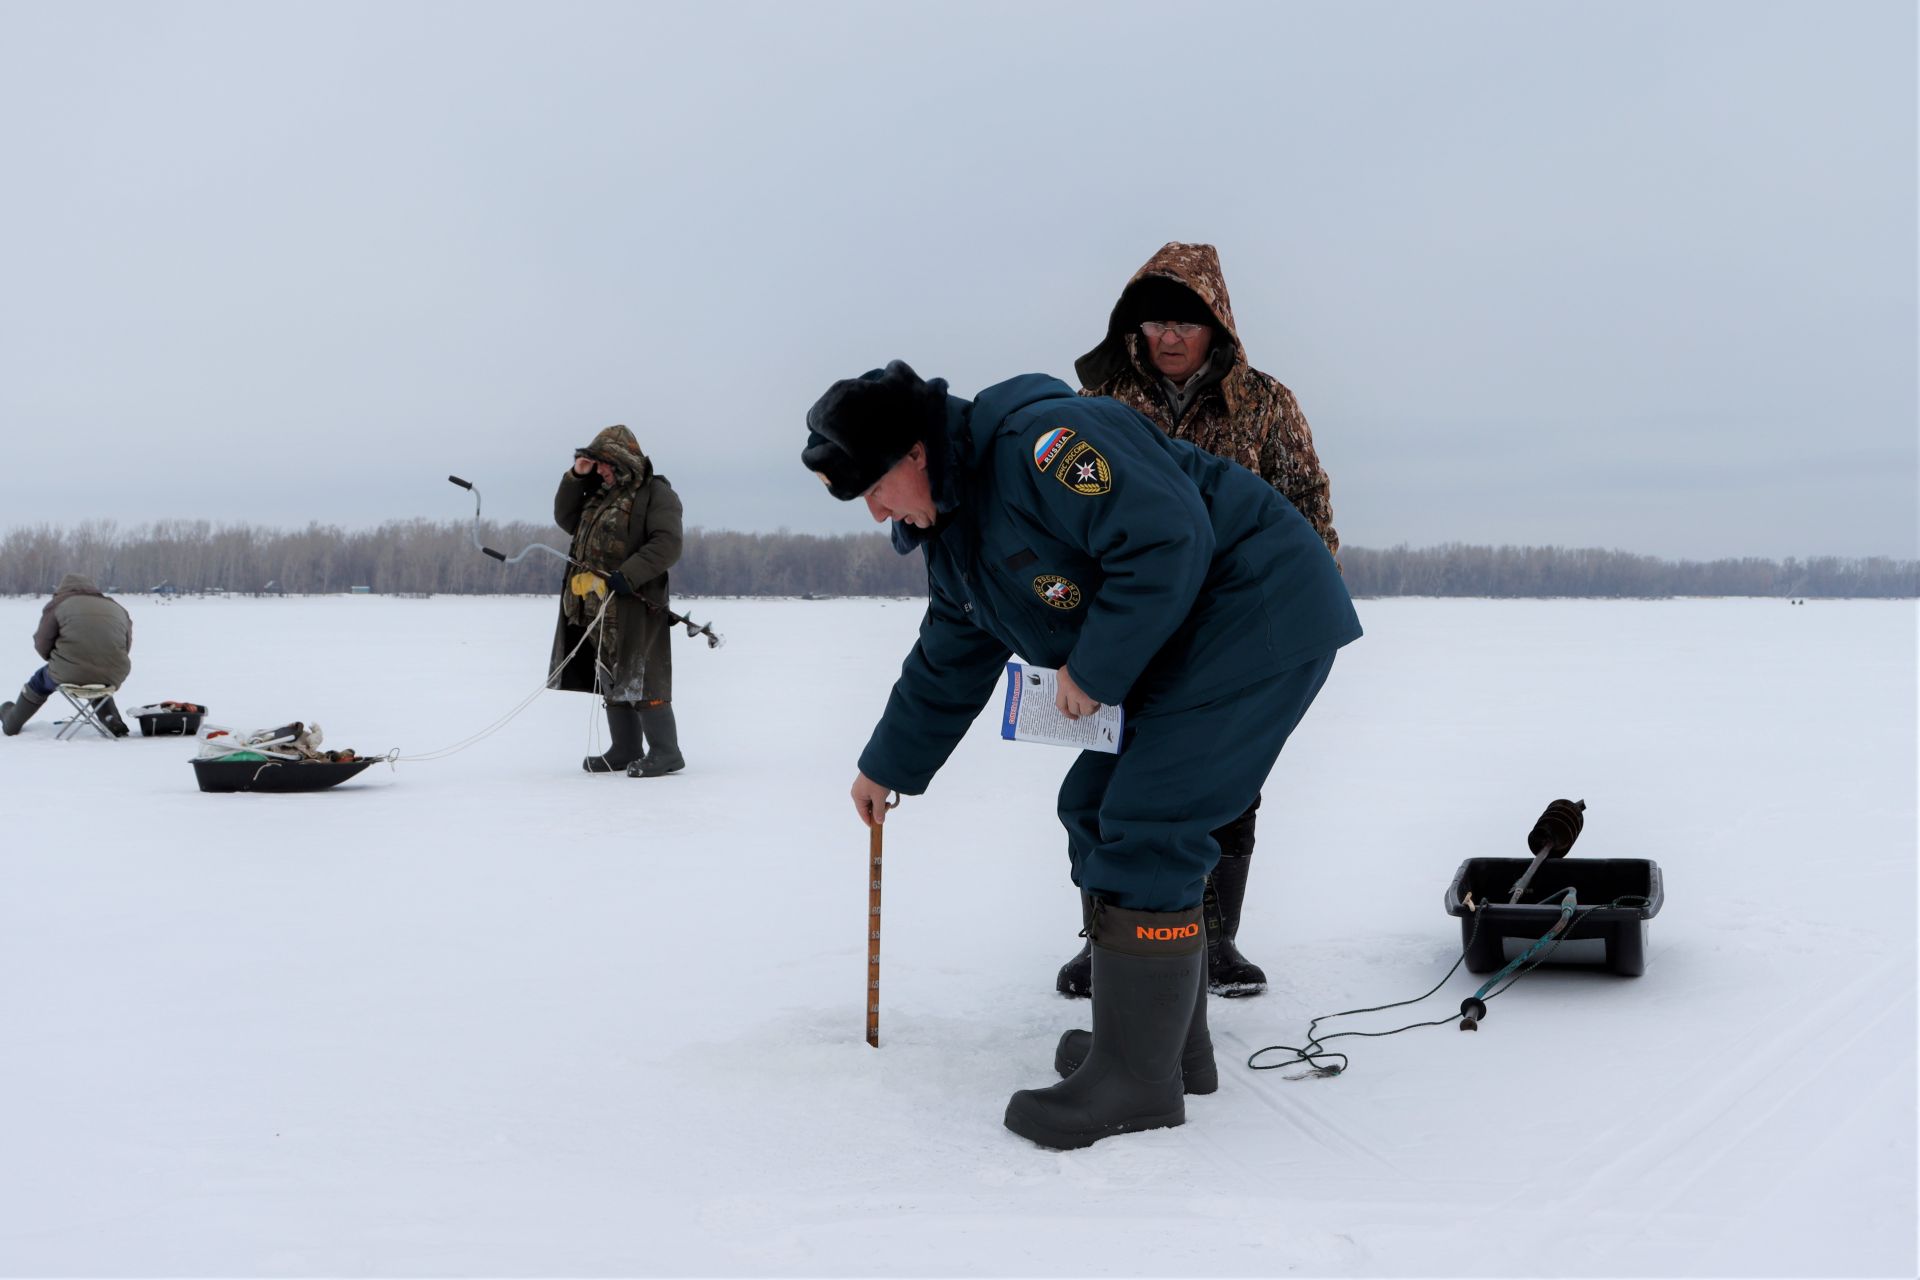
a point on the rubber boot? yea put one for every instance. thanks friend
(1229, 973)
(14, 715)
(1075, 980)
(110, 717)
(1147, 969)
(1198, 1072)
(663, 745)
(623, 726)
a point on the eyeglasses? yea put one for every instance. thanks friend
(1153, 329)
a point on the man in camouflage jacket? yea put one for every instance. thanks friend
(625, 520)
(1187, 371)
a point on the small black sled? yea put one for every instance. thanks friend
(275, 776)
(165, 722)
(1499, 898)
(1628, 890)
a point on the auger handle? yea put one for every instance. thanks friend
(464, 484)
(497, 555)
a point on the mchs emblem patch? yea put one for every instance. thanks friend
(1057, 591)
(1083, 470)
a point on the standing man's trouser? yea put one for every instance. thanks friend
(1140, 824)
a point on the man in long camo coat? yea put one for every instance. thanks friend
(626, 525)
(1171, 352)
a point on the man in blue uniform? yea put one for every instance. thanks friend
(1151, 574)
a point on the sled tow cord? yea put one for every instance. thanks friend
(394, 756)
(1320, 1060)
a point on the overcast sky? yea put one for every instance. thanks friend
(1611, 274)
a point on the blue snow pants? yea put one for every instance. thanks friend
(1140, 824)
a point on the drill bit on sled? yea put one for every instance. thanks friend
(1603, 901)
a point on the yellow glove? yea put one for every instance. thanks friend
(587, 584)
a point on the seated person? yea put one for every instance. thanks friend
(85, 639)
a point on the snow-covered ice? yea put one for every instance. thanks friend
(488, 1015)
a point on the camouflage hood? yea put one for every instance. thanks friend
(617, 445)
(1195, 267)
(1253, 419)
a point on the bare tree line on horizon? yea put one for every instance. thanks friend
(424, 557)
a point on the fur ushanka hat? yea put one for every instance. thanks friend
(862, 426)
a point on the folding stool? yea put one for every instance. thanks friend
(85, 700)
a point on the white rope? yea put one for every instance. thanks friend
(599, 687)
(394, 756)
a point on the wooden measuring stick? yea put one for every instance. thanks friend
(873, 929)
(873, 935)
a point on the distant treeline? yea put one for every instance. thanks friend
(1456, 569)
(428, 557)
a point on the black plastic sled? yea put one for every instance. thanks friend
(277, 776)
(170, 724)
(1596, 882)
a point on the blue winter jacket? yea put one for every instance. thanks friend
(1076, 534)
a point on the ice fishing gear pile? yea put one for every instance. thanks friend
(297, 741)
(1487, 894)
(714, 640)
(286, 758)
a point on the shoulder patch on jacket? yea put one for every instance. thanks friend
(1082, 469)
(1048, 446)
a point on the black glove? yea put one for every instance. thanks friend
(619, 584)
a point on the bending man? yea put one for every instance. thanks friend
(1151, 574)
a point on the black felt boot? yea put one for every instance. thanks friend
(1075, 979)
(110, 716)
(1198, 1072)
(663, 745)
(1147, 967)
(623, 726)
(1229, 973)
(14, 715)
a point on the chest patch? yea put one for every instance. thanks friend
(1049, 445)
(1083, 470)
(1057, 591)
